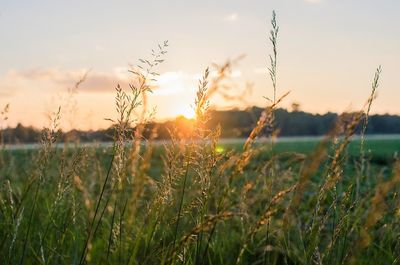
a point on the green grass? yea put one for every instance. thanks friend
(198, 200)
(227, 236)
(380, 152)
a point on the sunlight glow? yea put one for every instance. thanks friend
(187, 112)
(219, 149)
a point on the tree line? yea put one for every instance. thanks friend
(234, 123)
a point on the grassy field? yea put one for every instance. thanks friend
(244, 214)
(199, 200)
(381, 151)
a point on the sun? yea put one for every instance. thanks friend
(187, 112)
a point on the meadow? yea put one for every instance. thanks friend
(200, 200)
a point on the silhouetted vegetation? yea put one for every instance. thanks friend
(234, 123)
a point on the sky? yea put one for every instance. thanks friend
(328, 51)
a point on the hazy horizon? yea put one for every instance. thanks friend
(326, 49)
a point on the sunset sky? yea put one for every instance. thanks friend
(328, 52)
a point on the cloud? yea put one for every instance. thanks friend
(231, 17)
(55, 80)
(171, 83)
(58, 80)
(106, 82)
(5, 94)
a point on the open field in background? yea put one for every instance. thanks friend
(382, 152)
(381, 149)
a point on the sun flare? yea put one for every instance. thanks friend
(187, 112)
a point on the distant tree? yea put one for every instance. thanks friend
(234, 123)
(295, 107)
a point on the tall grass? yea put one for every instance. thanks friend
(190, 201)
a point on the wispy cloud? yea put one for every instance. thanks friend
(176, 82)
(54, 81)
(5, 94)
(231, 17)
(60, 79)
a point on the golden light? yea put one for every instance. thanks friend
(219, 149)
(187, 112)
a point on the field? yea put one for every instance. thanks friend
(202, 216)
(199, 199)
(382, 151)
